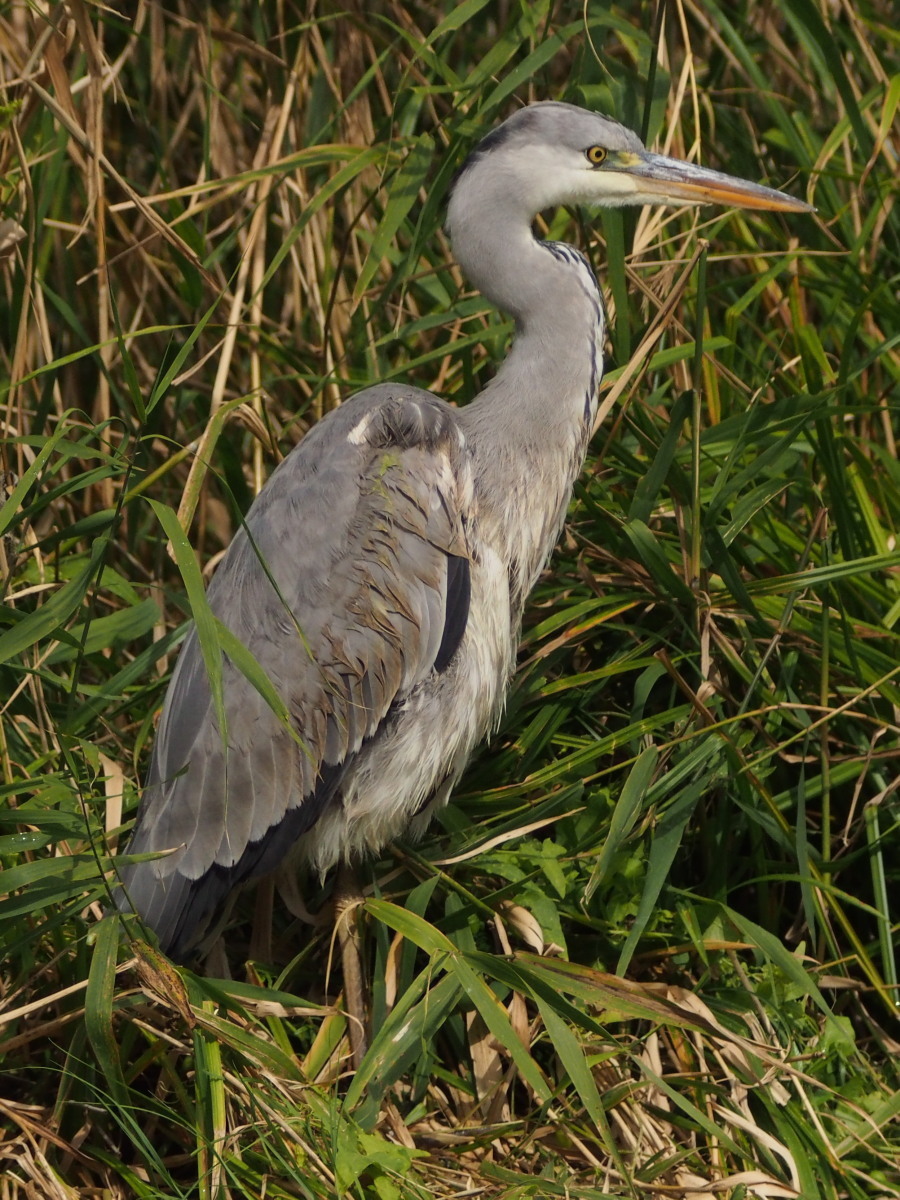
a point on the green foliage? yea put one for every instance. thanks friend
(650, 946)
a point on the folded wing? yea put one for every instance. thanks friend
(349, 585)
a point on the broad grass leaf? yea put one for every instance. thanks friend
(99, 1002)
(625, 813)
(404, 193)
(35, 626)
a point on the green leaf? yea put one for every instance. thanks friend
(98, 1007)
(627, 810)
(404, 192)
(45, 620)
(204, 620)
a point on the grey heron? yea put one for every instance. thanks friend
(380, 577)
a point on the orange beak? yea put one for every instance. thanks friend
(661, 180)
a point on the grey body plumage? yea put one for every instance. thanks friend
(382, 573)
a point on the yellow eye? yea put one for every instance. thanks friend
(596, 155)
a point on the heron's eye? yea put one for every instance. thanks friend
(596, 155)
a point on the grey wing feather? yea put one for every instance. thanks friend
(349, 584)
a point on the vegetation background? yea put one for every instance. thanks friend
(649, 950)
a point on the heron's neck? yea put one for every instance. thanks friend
(532, 422)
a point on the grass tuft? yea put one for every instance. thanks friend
(650, 947)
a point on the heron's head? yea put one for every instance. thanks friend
(551, 153)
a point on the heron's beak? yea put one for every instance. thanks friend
(660, 180)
